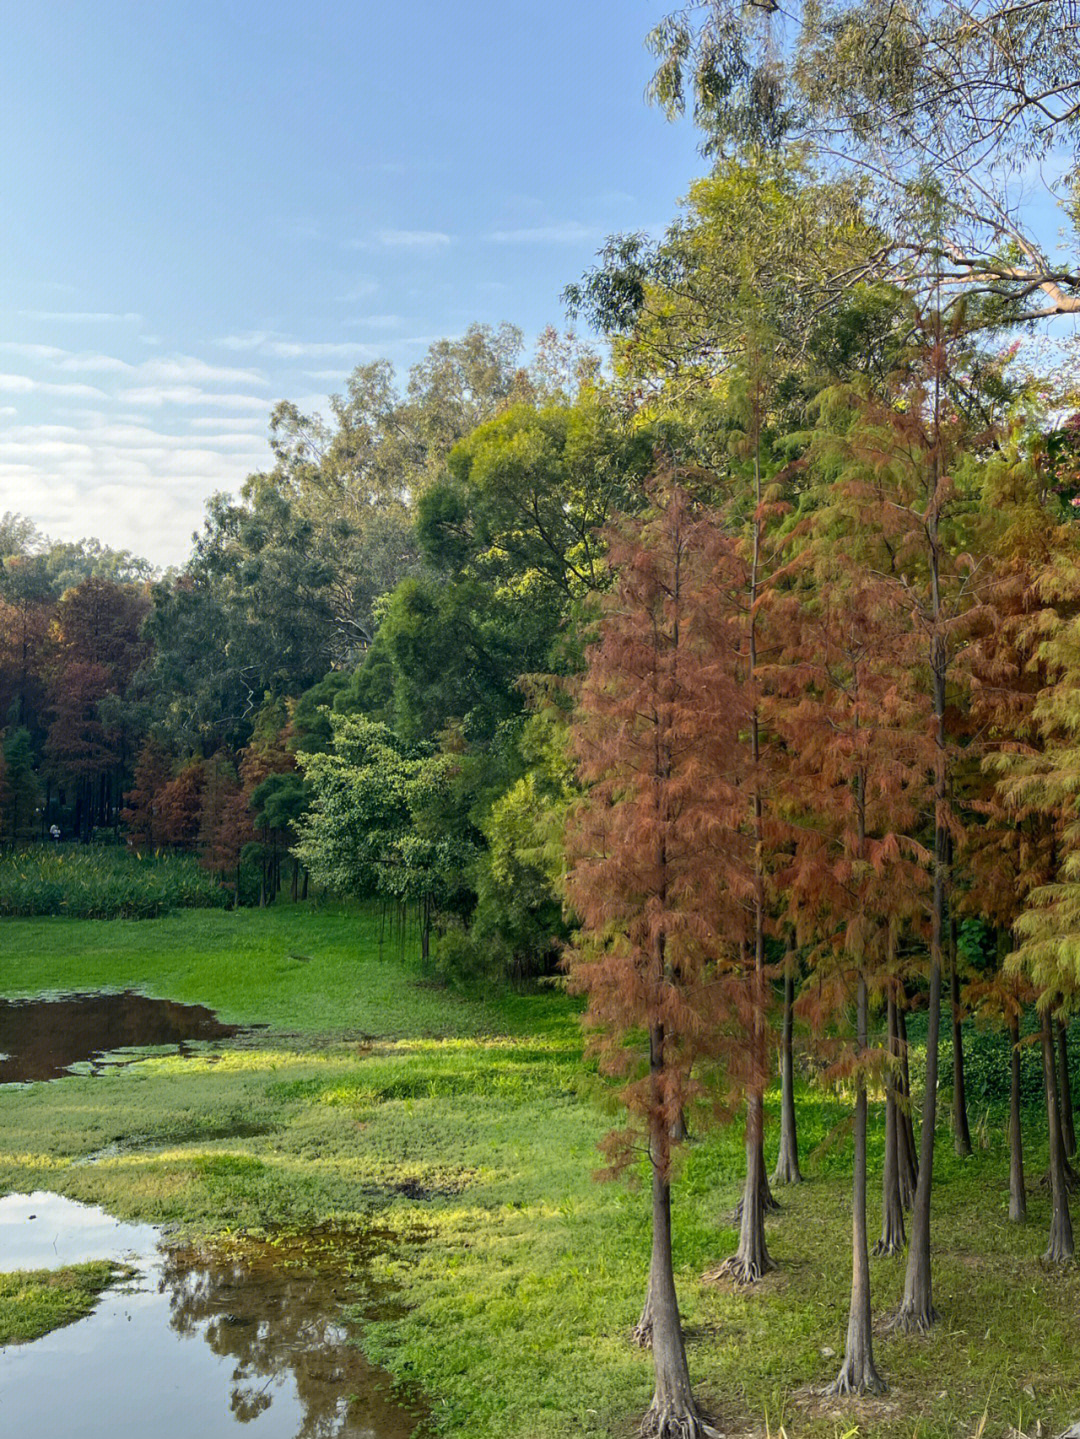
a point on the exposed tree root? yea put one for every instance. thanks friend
(641, 1334)
(909, 1320)
(888, 1245)
(670, 1422)
(742, 1271)
(857, 1379)
(1059, 1251)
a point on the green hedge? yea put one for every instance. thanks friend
(84, 882)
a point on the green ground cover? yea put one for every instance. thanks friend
(35, 1301)
(468, 1126)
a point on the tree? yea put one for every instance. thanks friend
(657, 862)
(853, 723)
(143, 800)
(19, 790)
(909, 483)
(935, 104)
(375, 824)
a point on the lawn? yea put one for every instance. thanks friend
(466, 1129)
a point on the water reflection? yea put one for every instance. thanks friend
(197, 1344)
(43, 1038)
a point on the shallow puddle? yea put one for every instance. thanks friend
(43, 1038)
(196, 1344)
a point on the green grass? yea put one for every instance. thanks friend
(468, 1127)
(103, 882)
(35, 1301)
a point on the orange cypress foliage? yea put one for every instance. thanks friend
(859, 747)
(141, 812)
(180, 806)
(659, 864)
(905, 503)
(225, 820)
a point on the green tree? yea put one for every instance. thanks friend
(19, 788)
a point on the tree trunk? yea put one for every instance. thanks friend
(787, 1163)
(893, 1237)
(673, 1413)
(917, 1310)
(1060, 1247)
(857, 1373)
(1017, 1192)
(1068, 1129)
(907, 1162)
(751, 1260)
(425, 930)
(961, 1132)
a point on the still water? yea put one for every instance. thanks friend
(196, 1345)
(43, 1038)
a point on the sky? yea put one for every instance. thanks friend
(208, 207)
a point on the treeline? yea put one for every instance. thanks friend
(397, 569)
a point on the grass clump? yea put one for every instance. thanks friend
(33, 1302)
(87, 882)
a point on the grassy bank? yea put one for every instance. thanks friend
(469, 1127)
(35, 1301)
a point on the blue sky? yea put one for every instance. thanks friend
(206, 208)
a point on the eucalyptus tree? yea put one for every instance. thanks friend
(951, 110)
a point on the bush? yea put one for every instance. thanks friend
(84, 882)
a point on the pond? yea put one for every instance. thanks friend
(43, 1038)
(198, 1343)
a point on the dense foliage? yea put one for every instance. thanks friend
(743, 672)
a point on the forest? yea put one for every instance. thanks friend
(716, 659)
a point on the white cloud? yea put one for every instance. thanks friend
(226, 422)
(31, 352)
(24, 385)
(133, 485)
(378, 322)
(7, 410)
(102, 364)
(570, 232)
(156, 395)
(411, 240)
(84, 317)
(281, 347)
(188, 367)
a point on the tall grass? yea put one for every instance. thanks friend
(84, 882)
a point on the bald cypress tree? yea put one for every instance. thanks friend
(658, 864)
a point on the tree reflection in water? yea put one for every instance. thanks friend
(272, 1308)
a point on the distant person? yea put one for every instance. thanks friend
(54, 832)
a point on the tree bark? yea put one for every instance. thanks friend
(751, 1260)
(961, 1132)
(907, 1161)
(858, 1374)
(673, 1413)
(917, 1312)
(1068, 1128)
(1060, 1247)
(893, 1237)
(787, 1163)
(1017, 1191)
